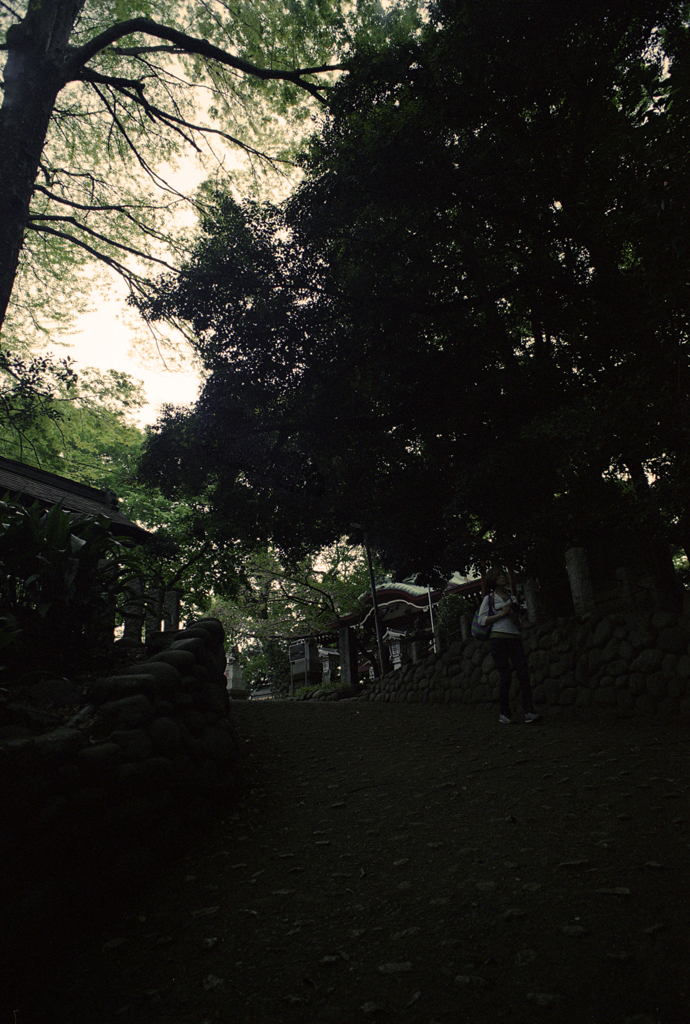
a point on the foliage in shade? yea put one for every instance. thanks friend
(468, 330)
(61, 580)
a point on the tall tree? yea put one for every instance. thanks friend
(467, 326)
(98, 95)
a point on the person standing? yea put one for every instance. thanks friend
(501, 611)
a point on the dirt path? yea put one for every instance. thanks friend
(411, 864)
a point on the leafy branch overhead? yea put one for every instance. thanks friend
(102, 98)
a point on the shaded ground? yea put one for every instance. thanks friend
(410, 863)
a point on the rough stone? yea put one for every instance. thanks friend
(648, 661)
(181, 660)
(155, 773)
(595, 660)
(664, 620)
(165, 675)
(117, 687)
(677, 687)
(165, 735)
(194, 644)
(656, 685)
(611, 650)
(626, 650)
(645, 705)
(625, 700)
(605, 696)
(100, 757)
(134, 743)
(683, 667)
(212, 626)
(669, 666)
(673, 641)
(130, 712)
(60, 743)
(602, 632)
(670, 707)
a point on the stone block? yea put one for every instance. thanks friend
(134, 743)
(165, 735)
(584, 697)
(611, 651)
(664, 620)
(568, 695)
(637, 682)
(59, 744)
(673, 641)
(194, 644)
(102, 757)
(117, 687)
(602, 632)
(143, 776)
(595, 660)
(669, 666)
(130, 712)
(677, 687)
(626, 651)
(669, 707)
(181, 660)
(604, 696)
(645, 705)
(685, 708)
(625, 700)
(656, 685)
(648, 661)
(212, 626)
(165, 675)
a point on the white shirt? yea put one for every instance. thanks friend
(501, 627)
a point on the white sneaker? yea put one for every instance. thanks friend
(503, 720)
(532, 716)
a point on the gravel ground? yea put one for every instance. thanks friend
(409, 863)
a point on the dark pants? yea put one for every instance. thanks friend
(508, 654)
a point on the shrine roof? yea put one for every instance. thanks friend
(50, 489)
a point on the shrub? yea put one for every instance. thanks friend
(452, 609)
(61, 577)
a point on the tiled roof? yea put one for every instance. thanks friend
(49, 489)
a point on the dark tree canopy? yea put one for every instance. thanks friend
(469, 327)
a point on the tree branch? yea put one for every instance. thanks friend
(95, 234)
(15, 14)
(123, 85)
(187, 44)
(135, 281)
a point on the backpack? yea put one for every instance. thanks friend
(482, 632)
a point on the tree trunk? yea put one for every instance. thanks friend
(34, 75)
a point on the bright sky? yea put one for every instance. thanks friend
(107, 338)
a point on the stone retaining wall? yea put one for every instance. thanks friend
(626, 663)
(95, 803)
